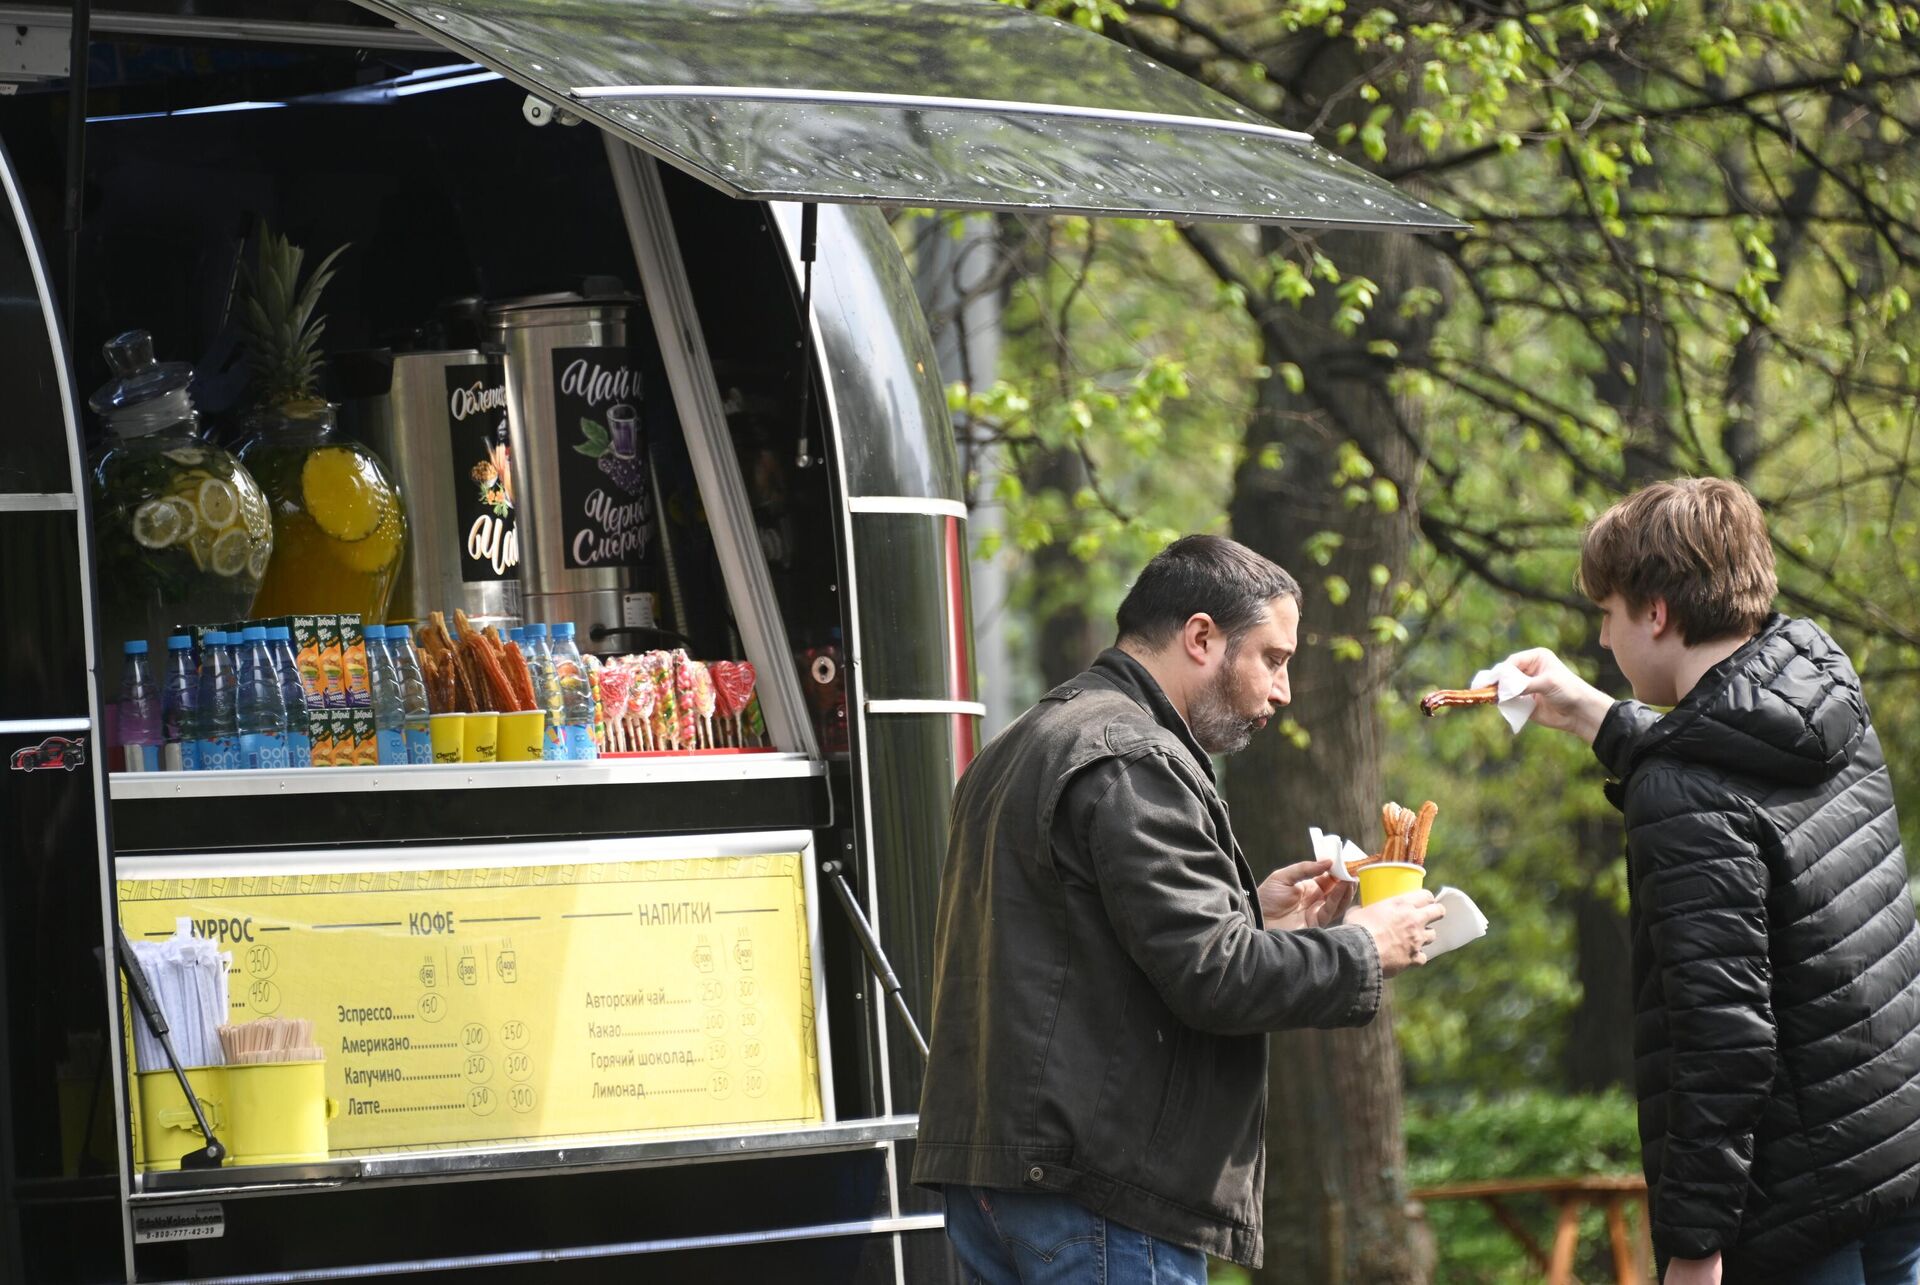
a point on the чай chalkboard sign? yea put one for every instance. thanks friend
(606, 511)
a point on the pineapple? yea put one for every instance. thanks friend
(277, 318)
(339, 531)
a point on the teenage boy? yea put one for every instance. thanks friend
(1776, 965)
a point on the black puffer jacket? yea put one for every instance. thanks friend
(1776, 965)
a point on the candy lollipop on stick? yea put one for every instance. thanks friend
(733, 688)
(616, 689)
(640, 702)
(686, 735)
(665, 714)
(704, 699)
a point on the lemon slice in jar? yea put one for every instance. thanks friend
(228, 557)
(219, 506)
(254, 511)
(158, 523)
(342, 493)
(200, 545)
(258, 559)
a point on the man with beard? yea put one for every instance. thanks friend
(1106, 967)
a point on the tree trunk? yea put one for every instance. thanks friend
(1336, 1200)
(1069, 636)
(1598, 1053)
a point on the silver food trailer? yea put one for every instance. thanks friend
(607, 1017)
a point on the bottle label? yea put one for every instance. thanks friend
(393, 747)
(419, 745)
(264, 750)
(299, 750)
(553, 745)
(219, 754)
(578, 739)
(173, 756)
(141, 758)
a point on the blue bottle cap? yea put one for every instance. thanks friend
(279, 633)
(516, 636)
(536, 631)
(254, 633)
(135, 647)
(215, 638)
(180, 642)
(374, 633)
(563, 630)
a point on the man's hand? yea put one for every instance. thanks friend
(1304, 895)
(1563, 700)
(1402, 928)
(1694, 1271)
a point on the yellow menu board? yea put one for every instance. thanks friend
(523, 1002)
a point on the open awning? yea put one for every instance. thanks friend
(954, 104)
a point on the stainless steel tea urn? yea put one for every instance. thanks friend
(577, 437)
(441, 426)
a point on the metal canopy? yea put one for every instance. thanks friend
(958, 104)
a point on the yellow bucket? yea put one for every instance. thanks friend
(167, 1127)
(1389, 879)
(279, 1113)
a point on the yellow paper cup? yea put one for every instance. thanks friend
(449, 733)
(482, 741)
(1389, 879)
(521, 735)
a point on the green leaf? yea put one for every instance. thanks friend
(598, 440)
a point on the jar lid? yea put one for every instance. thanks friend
(146, 394)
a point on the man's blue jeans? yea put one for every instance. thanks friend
(1889, 1255)
(1037, 1238)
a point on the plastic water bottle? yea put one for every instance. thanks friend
(413, 694)
(293, 694)
(575, 688)
(261, 707)
(179, 702)
(389, 706)
(219, 728)
(546, 693)
(139, 710)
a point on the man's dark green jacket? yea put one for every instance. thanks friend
(1103, 986)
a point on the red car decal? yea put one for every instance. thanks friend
(55, 751)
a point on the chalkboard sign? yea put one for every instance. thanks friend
(482, 477)
(606, 505)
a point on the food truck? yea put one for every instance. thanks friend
(618, 343)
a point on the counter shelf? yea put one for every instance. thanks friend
(463, 1164)
(162, 812)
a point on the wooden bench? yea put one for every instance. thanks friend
(1632, 1251)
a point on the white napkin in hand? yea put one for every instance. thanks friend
(1463, 923)
(1341, 852)
(1514, 707)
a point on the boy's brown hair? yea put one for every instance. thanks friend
(1698, 543)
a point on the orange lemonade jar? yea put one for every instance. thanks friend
(339, 530)
(338, 525)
